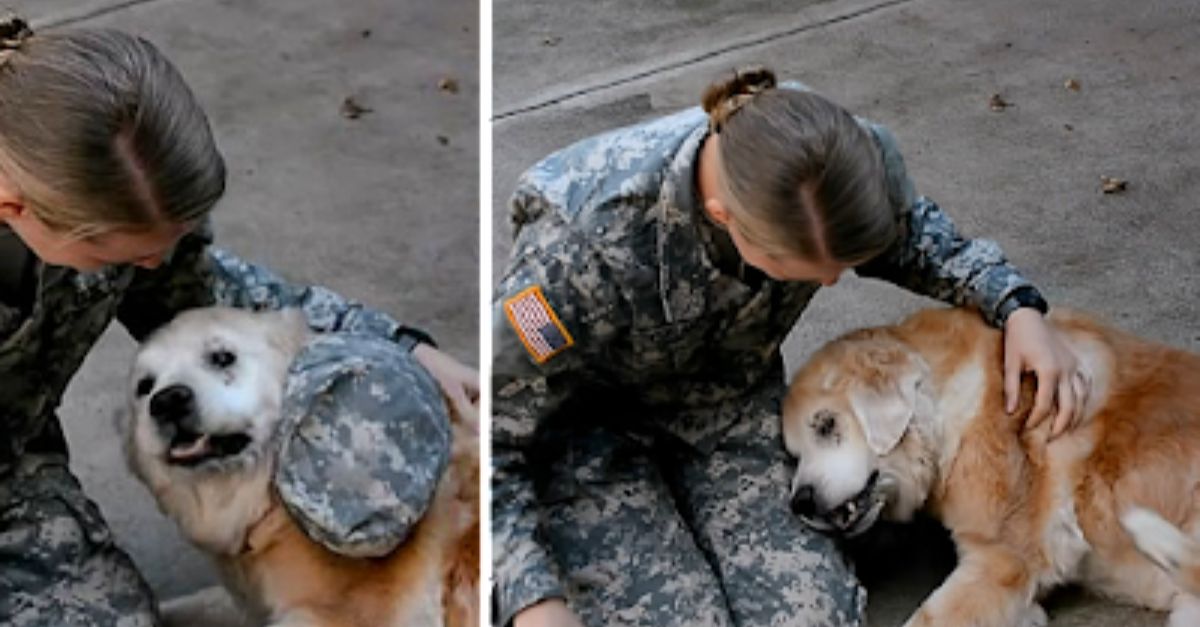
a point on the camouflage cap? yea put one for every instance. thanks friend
(365, 441)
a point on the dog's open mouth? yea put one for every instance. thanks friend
(189, 448)
(855, 515)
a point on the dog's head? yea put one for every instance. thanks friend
(205, 391)
(847, 418)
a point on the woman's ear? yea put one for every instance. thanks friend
(10, 210)
(11, 206)
(717, 211)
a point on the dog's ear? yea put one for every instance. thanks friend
(294, 320)
(288, 328)
(885, 408)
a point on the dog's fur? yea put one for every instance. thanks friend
(1113, 504)
(219, 490)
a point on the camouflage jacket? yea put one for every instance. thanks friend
(45, 336)
(615, 287)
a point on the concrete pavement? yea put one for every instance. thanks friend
(1027, 176)
(383, 208)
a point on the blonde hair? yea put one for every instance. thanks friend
(799, 173)
(99, 132)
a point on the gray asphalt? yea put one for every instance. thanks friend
(383, 208)
(1027, 176)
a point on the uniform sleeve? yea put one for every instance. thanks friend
(547, 263)
(522, 396)
(930, 257)
(198, 275)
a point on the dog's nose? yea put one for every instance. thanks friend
(171, 404)
(804, 501)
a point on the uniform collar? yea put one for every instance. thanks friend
(689, 244)
(18, 280)
(685, 270)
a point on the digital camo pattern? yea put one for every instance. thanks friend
(58, 563)
(931, 258)
(367, 439)
(41, 350)
(612, 231)
(647, 530)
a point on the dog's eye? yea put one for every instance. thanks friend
(825, 424)
(144, 385)
(222, 358)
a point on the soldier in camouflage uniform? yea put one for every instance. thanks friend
(64, 277)
(638, 467)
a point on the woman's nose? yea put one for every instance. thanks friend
(830, 280)
(151, 262)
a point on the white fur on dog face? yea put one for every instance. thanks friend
(233, 362)
(848, 419)
(832, 452)
(215, 500)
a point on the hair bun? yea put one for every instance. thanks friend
(14, 30)
(723, 98)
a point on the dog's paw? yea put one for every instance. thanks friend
(211, 607)
(1157, 539)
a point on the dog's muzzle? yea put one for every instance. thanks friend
(850, 518)
(173, 409)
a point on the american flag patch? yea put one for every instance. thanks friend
(540, 330)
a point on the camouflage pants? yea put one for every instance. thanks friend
(58, 564)
(646, 530)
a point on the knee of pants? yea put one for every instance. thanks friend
(58, 561)
(47, 514)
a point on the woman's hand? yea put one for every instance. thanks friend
(459, 381)
(1031, 345)
(548, 613)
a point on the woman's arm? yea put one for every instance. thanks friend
(930, 257)
(198, 274)
(543, 352)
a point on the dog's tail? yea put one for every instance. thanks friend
(1166, 545)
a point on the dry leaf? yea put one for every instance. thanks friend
(352, 110)
(998, 103)
(1072, 84)
(1112, 184)
(448, 85)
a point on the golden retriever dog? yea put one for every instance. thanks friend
(203, 433)
(890, 420)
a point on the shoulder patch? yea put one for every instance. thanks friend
(535, 322)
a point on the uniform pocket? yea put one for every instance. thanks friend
(13, 324)
(664, 350)
(593, 464)
(50, 498)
